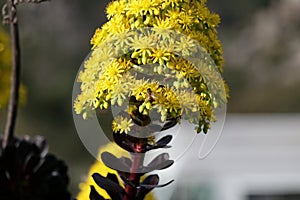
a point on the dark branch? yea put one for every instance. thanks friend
(16, 2)
(15, 74)
(9, 12)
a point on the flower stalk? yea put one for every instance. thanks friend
(9, 14)
(12, 112)
(131, 170)
(137, 162)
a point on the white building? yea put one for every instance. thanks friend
(256, 158)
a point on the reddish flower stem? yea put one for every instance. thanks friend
(137, 162)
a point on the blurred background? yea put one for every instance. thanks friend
(258, 156)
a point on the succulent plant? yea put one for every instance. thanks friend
(153, 64)
(29, 172)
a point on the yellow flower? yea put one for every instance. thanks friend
(121, 91)
(167, 103)
(185, 46)
(122, 124)
(114, 72)
(163, 23)
(115, 8)
(170, 100)
(140, 90)
(115, 25)
(83, 101)
(143, 7)
(173, 14)
(172, 3)
(186, 20)
(188, 102)
(160, 56)
(98, 37)
(142, 44)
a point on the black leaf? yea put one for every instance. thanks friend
(49, 163)
(94, 194)
(42, 145)
(24, 149)
(125, 141)
(112, 177)
(169, 124)
(28, 171)
(163, 185)
(162, 143)
(113, 162)
(31, 163)
(147, 185)
(123, 175)
(114, 190)
(160, 162)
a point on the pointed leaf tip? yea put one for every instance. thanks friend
(94, 194)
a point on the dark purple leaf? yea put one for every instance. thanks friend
(162, 143)
(23, 150)
(160, 162)
(150, 181)
(163, 185)
(125, 141)
(123, 175)
(42, 145)
(113, 162)
(108, 185)
(112, 177)
(147, 185)
(50, 163)
(26, 172)
(94, 194)
(9, 162)
(159, 159)
(31, 163)
(169, 124)
(4, 179)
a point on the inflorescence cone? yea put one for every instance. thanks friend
(161, 56)
(153, 64)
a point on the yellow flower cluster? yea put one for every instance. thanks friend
(164, 53)
(190, 17)
(5, 66)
